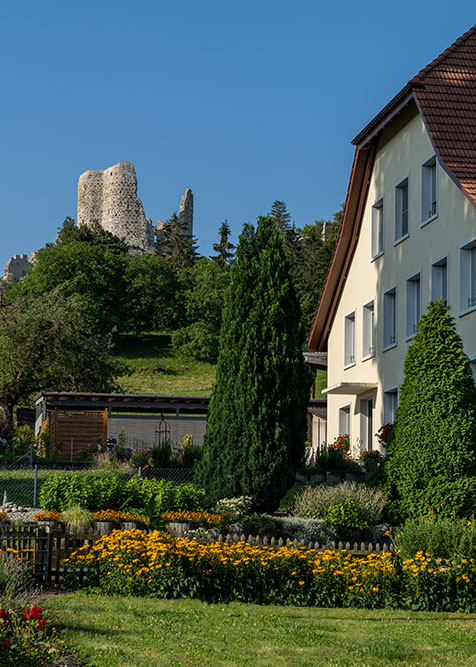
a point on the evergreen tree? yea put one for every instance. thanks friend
(257, 418)
(178, 248)
(281, 217)
(431, 462)
(224, 247)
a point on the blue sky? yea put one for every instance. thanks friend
(244, 102)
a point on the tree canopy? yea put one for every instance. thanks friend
(46, 344)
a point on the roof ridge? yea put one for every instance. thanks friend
(456, 44)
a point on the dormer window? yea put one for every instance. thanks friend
(429, 194)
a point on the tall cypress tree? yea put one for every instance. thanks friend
(431, 462)
(257, 418)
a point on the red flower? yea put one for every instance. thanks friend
(42, 624)
(34, 613)
(5, 643)
(4, 616)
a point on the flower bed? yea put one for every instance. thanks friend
(27, 639)
(192, 517)
(50, 515)
(132, 563)
(116, 516)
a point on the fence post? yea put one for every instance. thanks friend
(139, 472)
(31, 457)
(71, 450)
(35, 485)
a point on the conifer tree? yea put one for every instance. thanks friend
(431, 461)
(224, 247)
(257, 418)
(178, 248)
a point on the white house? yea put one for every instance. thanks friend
(408, 236)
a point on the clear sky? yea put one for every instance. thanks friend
(243, 101)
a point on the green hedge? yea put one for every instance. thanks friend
(64, 490)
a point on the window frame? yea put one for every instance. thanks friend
(464, 297)
(438, 263)
(429, 162)
(378, 205)
(346, 407)
(395, 389)
(393, 290)
(414, 278)
(372, 337)
(399, 214)
(351, 317)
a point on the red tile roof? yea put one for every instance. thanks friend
(447, 102)
(445, 94)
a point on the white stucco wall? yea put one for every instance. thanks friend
(402, 150)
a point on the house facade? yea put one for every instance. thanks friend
(408, 236)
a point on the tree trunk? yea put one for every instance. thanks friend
(6, 420)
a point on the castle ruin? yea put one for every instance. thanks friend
(110, 198)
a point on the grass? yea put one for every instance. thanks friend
(124, 631)
(158, 369)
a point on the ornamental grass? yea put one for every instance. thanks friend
(159, 565)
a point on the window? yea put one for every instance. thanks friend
(349, 339)
(429, 200)
(368, 324)
(401, 210)
(473, 368)
(439, 280)
(367, 423)
(390, 405)
(468, 276)
(344, 420)
(390, 318)
(377, 228)
(413, 305)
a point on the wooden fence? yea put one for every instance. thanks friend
(44, 547)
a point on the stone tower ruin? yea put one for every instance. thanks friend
(110, 198)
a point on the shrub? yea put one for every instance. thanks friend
(190, 454)
(441, 537)
(371, 459)
(234, 509)
(344, 517)
(328, 459)
(113, 492)
(431, 453)
(160, 455)
(307, 530)
(264, 524)
(140, 458)
(315, 501)
(288, 500)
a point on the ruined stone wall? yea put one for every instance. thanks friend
(16, 268)
(110, 198)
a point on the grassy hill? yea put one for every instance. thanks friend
(158, 369)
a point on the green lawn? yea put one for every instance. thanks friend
(158, 369)
(147, 632)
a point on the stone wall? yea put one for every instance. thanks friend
(16, 267)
